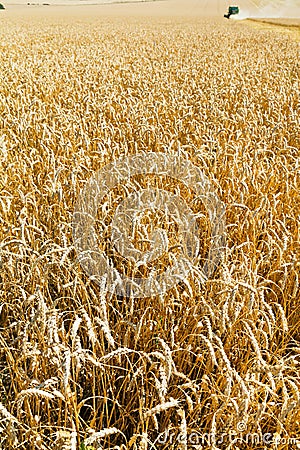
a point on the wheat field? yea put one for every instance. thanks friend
(209, 365)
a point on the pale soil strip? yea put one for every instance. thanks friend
(292, 26)
(287, 23)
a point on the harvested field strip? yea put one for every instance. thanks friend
(279, 24)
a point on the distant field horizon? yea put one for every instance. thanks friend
(197, 8)
(76, 2)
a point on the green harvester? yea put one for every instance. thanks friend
(232, 11)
